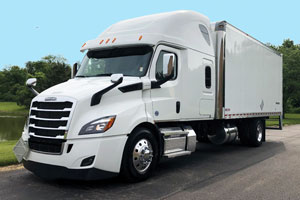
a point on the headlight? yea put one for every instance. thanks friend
(98, 126)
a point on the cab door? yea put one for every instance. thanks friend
(166, 101)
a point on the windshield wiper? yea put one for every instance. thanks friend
(80, 76)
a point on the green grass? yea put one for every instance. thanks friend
(7, 156)
(290, 119)
(12, 109)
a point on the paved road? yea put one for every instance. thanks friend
(212, 172)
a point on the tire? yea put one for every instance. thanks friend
(256, 133)
(140, 155)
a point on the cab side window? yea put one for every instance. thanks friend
(207, 77)
(159, 66)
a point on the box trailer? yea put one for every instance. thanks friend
(148, 88)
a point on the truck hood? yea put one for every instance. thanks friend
(81, 88)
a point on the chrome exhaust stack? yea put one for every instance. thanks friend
(224, 135)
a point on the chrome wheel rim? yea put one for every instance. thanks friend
(142, 155)
(259, 132)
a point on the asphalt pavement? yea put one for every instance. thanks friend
(233, 171)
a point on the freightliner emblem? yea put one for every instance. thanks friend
(50, 99)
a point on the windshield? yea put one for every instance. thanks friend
(130, 61)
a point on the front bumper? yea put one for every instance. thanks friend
(107, 153)
(53, 172)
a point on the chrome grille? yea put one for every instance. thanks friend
(49, 119)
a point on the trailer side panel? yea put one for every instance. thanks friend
(253, 77)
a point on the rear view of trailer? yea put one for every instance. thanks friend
(252, 76)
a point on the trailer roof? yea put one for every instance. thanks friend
(221, 25)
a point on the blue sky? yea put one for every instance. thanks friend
(32, 29)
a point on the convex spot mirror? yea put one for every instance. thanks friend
(168, 64)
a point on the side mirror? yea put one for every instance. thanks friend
(75, 69)
(168, 64)
(114, 78)
(30, 83)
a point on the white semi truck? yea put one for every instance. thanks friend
(148, 88)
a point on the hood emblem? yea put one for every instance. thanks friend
(50, 99)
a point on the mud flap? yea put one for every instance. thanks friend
(21, 150)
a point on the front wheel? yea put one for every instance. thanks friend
(140, 155)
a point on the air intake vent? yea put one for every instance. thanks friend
(52, 146)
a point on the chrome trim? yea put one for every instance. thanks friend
(61, 128)
(142, 155)
(48, 119)
(47, 137)
(59, 100)
(178, 140)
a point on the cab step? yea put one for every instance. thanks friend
(178, 141)
(177, 154)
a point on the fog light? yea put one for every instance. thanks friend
(87, 161)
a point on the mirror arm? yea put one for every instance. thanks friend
(96, 98)
(33, 90)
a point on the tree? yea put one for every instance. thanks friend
(11, 79)
(291, 74)
(49, 71)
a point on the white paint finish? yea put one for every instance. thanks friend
(164, 99)
(206, 108)
(253, 73)
(108, 152)
(154, 29)
(207, 101)
(193, 85)
(128, 107)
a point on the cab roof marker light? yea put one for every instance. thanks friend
(140, 37)
(101, 42)
(107, 41)
(113, 40)
(83, 45)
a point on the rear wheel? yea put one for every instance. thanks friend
(251, 132)
(140, 155)
(256, 132)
